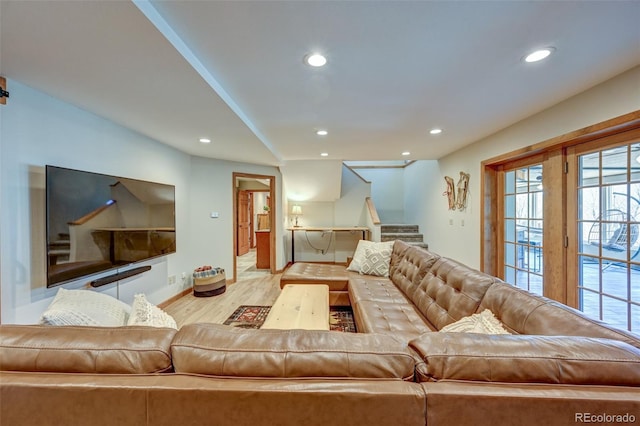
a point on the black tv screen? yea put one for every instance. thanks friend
(97, 222)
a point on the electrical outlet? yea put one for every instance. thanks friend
(450, 221)
(462, 222)
(172, 279)
(184, 279)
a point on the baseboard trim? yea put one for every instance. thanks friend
(174, 298)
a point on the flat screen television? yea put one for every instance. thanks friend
(97, 222)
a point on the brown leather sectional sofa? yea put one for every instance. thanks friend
(557, 368)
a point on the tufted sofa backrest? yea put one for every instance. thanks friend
(524, 313)
(442, 289)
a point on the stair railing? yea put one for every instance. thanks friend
(373, 220)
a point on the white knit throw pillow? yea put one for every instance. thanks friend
(483, 323)
(85, 307)
(145, 313)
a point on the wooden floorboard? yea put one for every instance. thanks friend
(216, 309)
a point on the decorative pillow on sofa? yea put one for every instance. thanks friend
(483, 323)
(145, 313)
(85, 307)
(360, 254)
(376, 262)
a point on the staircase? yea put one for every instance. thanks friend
(407, 233)
(58, 251)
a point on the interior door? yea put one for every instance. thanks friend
(244, 240)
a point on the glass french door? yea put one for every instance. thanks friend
(606, 261)
(522, 218)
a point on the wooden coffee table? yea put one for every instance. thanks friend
(303, 306)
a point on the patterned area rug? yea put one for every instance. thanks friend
(341, 317)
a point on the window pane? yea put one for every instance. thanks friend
(510, 182)
(510, 230)
(614, 312)
(635, 318)
(536, 205)
(522, 280)
(635, 163)
(614, 165)
(535, 284)
(613, 238)
(509, 254)
(614, 281)
(591, 234)
(590, 303)
(510, 206)
(589, 203)
(510, 275)
(590, 272)
(635, 283)
(589, 173)
(522, 180)
(522, 206)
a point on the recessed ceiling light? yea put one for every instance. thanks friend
(315, 60)
(322, 132)
(435, 131)
(205, 140)
(324, 154)
(406, 153)
(539, 55)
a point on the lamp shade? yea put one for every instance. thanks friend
(296, 210)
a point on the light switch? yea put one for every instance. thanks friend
(215, 215)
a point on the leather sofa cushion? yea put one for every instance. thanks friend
(218, 350)
(376, 289)
(400, 320)
(527, 359)
(78, 349)
(525, 313)
(335, 276)
(449, 291)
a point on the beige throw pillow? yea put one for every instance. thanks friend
(360, 254)
(85, 307)
(483, 323)
(376, 262)
(145, 313)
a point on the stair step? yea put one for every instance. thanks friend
(418, 244)
(404, 236)
(60, 243)
(398, 228)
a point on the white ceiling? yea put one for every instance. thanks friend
(233, 70)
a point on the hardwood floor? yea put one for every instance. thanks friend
(216, 309)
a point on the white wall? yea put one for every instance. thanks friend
(348, 211)
(36, 130)
(212, 191)
(387, 192)
(312, 180)
(613, 98)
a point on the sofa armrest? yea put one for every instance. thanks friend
(526, 359)
(84, 349)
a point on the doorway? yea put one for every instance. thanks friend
(253, 236)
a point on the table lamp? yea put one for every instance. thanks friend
(296, 210)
